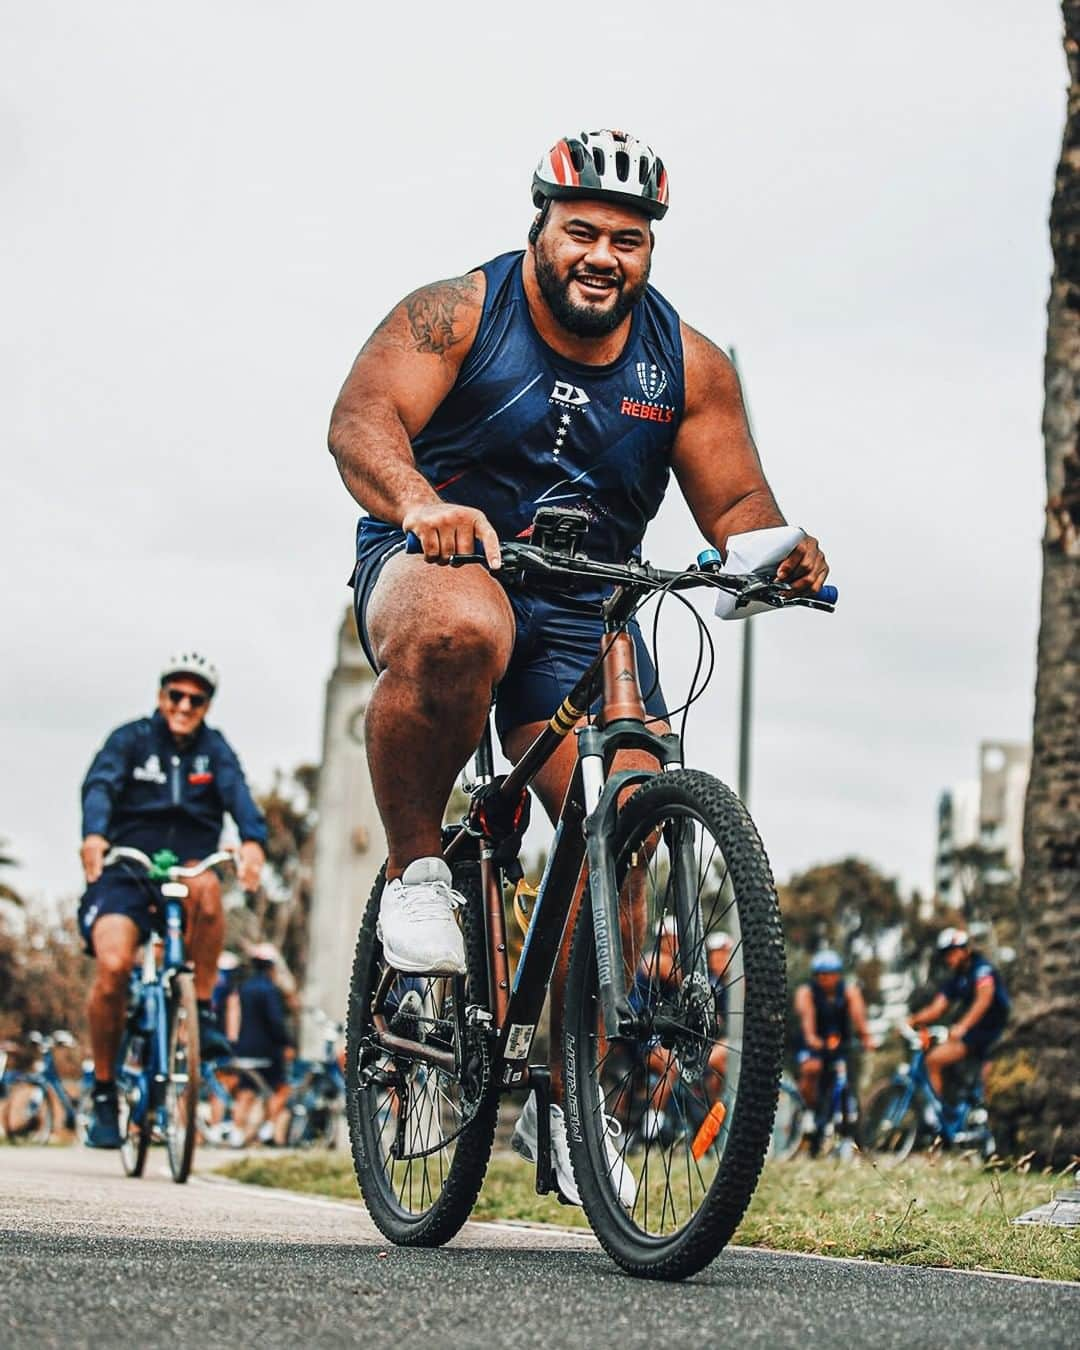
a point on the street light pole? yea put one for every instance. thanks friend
(746, 692)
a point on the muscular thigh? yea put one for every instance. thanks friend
(418, 607)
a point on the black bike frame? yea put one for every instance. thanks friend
(584, 830)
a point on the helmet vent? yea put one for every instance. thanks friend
(577, 155)
(598, 160)
(622, 165)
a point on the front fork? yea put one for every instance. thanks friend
(596, 747)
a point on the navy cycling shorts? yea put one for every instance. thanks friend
(981, 1040)
(557, 638)
(118, 891)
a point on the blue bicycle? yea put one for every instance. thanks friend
(906, 1111)
(28, 1094)
(157, 1071)
(317, 1100)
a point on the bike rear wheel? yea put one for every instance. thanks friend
(890, 1124)
(695, 1090)
(28, 1113)
(421, 1137)
(182, 1077)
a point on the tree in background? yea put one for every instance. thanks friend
(848, 905)
(1043, 1064)
(279, 911)
(44, 976)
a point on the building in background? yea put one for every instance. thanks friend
(980, 825)
(349, 843)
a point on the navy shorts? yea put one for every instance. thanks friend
(118, 891)
(981, 1040)
(558, 636)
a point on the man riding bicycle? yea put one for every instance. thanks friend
(978, 988)
(160, 782)
(829, 1009)
(554, 375)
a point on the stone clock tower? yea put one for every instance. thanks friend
(349, 843)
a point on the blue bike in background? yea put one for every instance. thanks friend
(316, 1104)
(157, 1072)
(906, 1111)
(28, 1094)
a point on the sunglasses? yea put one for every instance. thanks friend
(177, 696)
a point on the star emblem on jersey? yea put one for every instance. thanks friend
(652, 379)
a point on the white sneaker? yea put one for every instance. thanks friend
(652, 1123)
(416, 924)
(523, 1141)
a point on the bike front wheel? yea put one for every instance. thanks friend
(421, 1136)
(669, 1128)
(890, 1124)
(182, 1077)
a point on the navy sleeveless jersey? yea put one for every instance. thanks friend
(525, 427)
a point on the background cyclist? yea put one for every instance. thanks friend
(264, 1034)
(556, 375)
(163, 781)
(829, 1009)
(976, 986)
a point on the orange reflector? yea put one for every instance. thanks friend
(708, 1130)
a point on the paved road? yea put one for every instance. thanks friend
(90, 1258)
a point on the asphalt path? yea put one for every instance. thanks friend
(88, 1257)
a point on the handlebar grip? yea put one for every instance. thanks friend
(828, 595)
(413, 545)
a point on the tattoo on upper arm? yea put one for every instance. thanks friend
(429, 320)
(432, 313)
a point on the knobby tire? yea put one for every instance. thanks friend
(683, 794)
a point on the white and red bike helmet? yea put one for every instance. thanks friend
(604, 165)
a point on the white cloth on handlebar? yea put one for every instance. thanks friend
(755, 551)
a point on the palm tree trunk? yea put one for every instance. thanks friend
(1047, 1026)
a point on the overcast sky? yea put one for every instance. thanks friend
(207, 208)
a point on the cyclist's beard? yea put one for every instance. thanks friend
(584, 320)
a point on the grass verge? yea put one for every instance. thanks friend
(935, 1211)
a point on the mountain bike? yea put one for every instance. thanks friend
(217, 1078)
(665, 849)
(317, 1099)
(906, 1111)
(29, 1113)
(157, 1072)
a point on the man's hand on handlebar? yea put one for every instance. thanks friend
(93, 850)
(804, 568)
(250, 865)
(445, 530)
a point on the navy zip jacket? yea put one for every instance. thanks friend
(263, 1032)
(145, 791)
